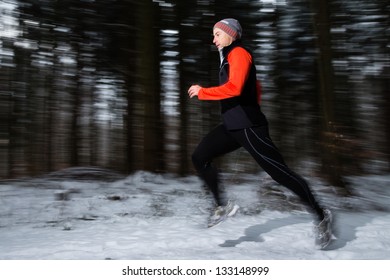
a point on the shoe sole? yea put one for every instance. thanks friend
(234, 211)
(223, 218)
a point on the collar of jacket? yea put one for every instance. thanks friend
(226, 50)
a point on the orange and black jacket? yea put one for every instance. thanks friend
(239, 91)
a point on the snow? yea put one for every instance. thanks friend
(146, 216)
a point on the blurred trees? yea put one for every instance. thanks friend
(104, 83)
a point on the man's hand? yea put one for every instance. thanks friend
(194, 90)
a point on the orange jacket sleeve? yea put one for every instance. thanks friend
(239, 66)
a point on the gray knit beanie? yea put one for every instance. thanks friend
(230, 26)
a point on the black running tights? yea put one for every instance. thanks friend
(257, 142)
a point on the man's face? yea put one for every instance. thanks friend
(221, 39)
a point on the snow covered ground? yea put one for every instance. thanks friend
(148, 216)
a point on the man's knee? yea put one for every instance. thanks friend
(200, 162)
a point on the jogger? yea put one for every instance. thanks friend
(244, 125)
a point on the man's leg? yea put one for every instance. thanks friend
(216, 143)
(258, 143)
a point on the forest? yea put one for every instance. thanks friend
(104, 83)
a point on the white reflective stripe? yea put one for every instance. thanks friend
(277, 164)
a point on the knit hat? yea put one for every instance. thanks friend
(230, 26)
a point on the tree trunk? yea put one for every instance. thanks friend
(148, 67)
(331, 165)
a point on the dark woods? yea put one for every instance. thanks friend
(103, 83)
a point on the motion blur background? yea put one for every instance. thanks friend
(104, 83)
